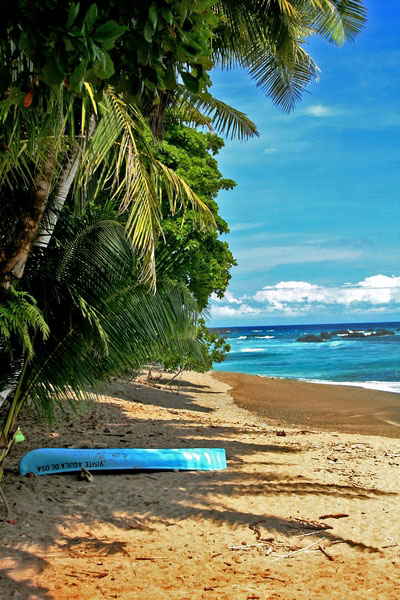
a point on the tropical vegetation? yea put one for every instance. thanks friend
(101, 222)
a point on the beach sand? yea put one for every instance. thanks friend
(258, 530)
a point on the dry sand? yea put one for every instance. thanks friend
(253, 531)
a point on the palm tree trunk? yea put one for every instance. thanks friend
(13, 261)
(64, 185)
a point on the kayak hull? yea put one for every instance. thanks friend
(44, 461)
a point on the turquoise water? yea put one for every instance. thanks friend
(371, 362)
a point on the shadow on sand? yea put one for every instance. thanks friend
(132, 501)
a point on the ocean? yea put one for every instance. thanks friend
(369, 361)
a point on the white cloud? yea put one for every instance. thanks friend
(319, 110)
(374, 294)
(374, 291)
(231, 298)
(269, 150)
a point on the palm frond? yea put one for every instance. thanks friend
(26, 139)
(219, 116)
(120, 159)
(338, 21)
(21, 319)
(103, 320)
(267, 39)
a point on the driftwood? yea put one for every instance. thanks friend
(334, 516)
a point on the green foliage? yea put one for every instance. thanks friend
(103, 320)
(140, 48)
(213, 349)
(207, 259)
(144, 49)
(216, 346)
(20, 320)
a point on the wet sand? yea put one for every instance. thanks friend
(311, 405)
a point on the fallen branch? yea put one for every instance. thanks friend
(152, 558)
(313, 524)
(328, 556)
(246, 547)
(335, 516)
(297, 551)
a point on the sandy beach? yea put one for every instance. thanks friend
(309, 506)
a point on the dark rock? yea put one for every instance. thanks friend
(324, 335)
(310, 338)
(355, 334)
(340, 332)
(381, 332)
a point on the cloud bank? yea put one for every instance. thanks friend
(375, 294)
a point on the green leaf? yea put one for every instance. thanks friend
(148, 31)
(108, 45)
(109, 32)
(90, 18)
(143, 52)
(153, 15)
(150, 85)
(170, 78)
(190, 82)
(104, 68)
(73, 13)
(77, 77)
(191, 50)
(15, 96)
(51, 73)
(167, 15)
(24, 43)
(169, 44)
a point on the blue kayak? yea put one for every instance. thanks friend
(44, 461)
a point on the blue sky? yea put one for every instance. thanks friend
(315, 217)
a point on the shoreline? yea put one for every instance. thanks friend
(327, 407)
(378, 386)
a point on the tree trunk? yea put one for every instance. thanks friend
(64, 185)
(14, 258)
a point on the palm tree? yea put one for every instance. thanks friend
(112, 146)
(103, 319)
(110, 157)
(267, 39)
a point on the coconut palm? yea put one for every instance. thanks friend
(102, 318)
(267, 39)
(112, 148)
